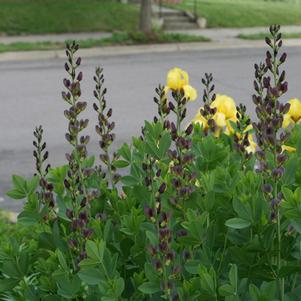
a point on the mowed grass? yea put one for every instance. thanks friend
(59, 16)
(262, 35)
(116, 39)
(246, 13)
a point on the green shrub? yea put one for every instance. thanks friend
(197, 215)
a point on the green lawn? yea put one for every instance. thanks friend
(262, 35)
(246, 13)
(58, 16)
(116, 39)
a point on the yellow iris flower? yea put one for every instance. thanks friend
(287, 148)
(201, 120)
(252, 147)
(225, 113)
(178, 79)
(225, 105)
(293, 116)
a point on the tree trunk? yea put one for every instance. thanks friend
(146, 16)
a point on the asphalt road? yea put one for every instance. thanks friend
(30, 95)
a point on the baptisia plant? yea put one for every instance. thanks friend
(205, 209)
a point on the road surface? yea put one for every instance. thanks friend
(30, 95)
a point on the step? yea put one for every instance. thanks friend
(174, 13)
(176, 19)
(180, 25)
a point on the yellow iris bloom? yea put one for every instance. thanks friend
(293, 116)
(287, 148)
(200, 119)
(178, 79)
(226, 105)
(190, 93)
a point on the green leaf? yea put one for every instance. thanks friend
(95, 250)
(28, 218)
(90, 276)
(192, 266)
(226, 290)
(62, 260)
(233, 276)
(121, 163)
(7, 284)
(16, 194)
(237, 223)
(152, 237)
(32, 185)
(68, 288)
(119, 286)
(149, 288)
(129, 181)
(125, 152)
(164, 144)
(19, 183)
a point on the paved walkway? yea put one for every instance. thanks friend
(54, 37)
(215, 34)
(223, 34)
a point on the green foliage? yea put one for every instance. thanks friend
(187, 220)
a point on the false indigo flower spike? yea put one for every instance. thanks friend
(41, 155)
(271, 86)
(163, 105)
(208, 95)
(104, 127)
(76, 178)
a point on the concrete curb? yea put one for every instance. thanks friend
(139, 49)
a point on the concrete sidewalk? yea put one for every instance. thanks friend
(215, 34)
(54, 37)
(227, 34)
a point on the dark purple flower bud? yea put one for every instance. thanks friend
(273, 216)
(83, 216)
(69, 213)
(82, 256)
(78, 61)
(101, 216)
(189, 129)
(80, 76)
(162, 188)
(186, 255)
(182, 233)
(72, 243)
(169, 257)
(283, 57)
(67, 68)
(274, 203)
(281, 158)
(267, 188)
(83, 202)
(163, 246)
(166, 124)
(87, 232)
(280, 196)
(157, 264)
(171, 106)
(176, 182)
(149, 212)
(284, 87)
